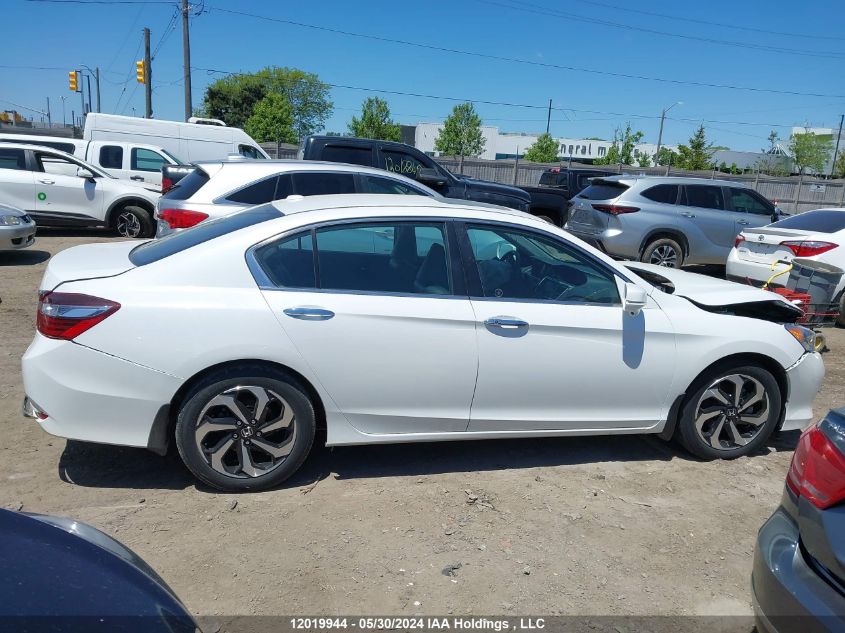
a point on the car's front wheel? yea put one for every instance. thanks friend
(663, 252)
(245, 429)
(729, 412)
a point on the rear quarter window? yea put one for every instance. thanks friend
(156, 250)
(603, 191)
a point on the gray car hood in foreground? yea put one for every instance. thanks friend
(704, 290)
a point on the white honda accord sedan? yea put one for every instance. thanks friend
(399, 319)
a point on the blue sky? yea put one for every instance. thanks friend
(59, 37)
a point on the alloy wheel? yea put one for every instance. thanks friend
(128, 225)
(731, 411)
(245, 431)
(664, 255)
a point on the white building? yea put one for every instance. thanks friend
(502, 145)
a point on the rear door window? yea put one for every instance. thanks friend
(111, 157)
(256, 193)
(188, 186)
(667, 194)
(603, 191)
(348, 154)
(317, 184)
(704, 197)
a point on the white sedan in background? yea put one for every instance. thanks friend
(399, 319)
(817, 235)
(17, 229)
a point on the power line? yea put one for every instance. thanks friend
(501, 58)
(527, 105)
(103, 1)
(725, 25)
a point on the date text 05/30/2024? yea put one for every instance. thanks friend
(416, 623)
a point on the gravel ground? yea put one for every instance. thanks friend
(600, 526)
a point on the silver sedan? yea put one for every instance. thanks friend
(17, 229)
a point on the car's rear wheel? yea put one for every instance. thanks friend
(245, 429)
(133, 221)
(663, 251)
(729, 412)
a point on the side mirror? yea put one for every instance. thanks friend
(430, 176)
(83, 172)
(635, 299)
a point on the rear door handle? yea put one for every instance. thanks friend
(687, 215)
(309, 314)
(47, 182)
(140, 178)
(742, 222)
(506, 322)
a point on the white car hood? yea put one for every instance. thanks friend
(705, 290)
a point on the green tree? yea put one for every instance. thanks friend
(697, 154)
(643, 160)
(621, 150)
(810, 151)
(666, 157)
(375, 121)
(272, 120)
(461, 134)
(544, 150)
(839, 168)
(234, 97)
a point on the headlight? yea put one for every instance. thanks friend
(10, 220)
(803, 335)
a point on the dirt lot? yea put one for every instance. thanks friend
(625, 525)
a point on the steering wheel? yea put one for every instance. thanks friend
(508, 254)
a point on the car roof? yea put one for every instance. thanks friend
(45, 148)
(426, 205)
(670, 180)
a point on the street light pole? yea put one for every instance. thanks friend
(660, 133)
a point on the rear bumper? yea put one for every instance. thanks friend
(743, 271)
(788, 595)
(83, 394)
(611, 241)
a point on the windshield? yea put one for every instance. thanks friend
(176, 160)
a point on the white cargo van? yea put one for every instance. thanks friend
(189, 141)
(122, 159)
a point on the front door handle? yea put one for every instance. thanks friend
(47, 182)
(139, 178)
(687, 214)
(309, 314)
(509, 323)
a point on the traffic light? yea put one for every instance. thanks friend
(140, 72)
(73, 80)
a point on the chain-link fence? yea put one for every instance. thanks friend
(792, 194)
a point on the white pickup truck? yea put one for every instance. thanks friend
(125, 159)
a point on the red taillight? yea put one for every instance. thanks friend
(739, 240)
(614, 209)
(808, 248)
(166, 184)
(66, 315)
(181, 218)
(817, 471)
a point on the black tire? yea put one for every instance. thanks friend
(665, 252)
(132, 221)
(758, 434)
(299, 435)
(840, 320)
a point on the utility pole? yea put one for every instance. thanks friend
(660, 133)
(549, 117)
(148, 76)
(186, 60)
(49, 120)
(81, 92)
(64, 120)
(98, 87)
(836, 151)
(88, 78)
